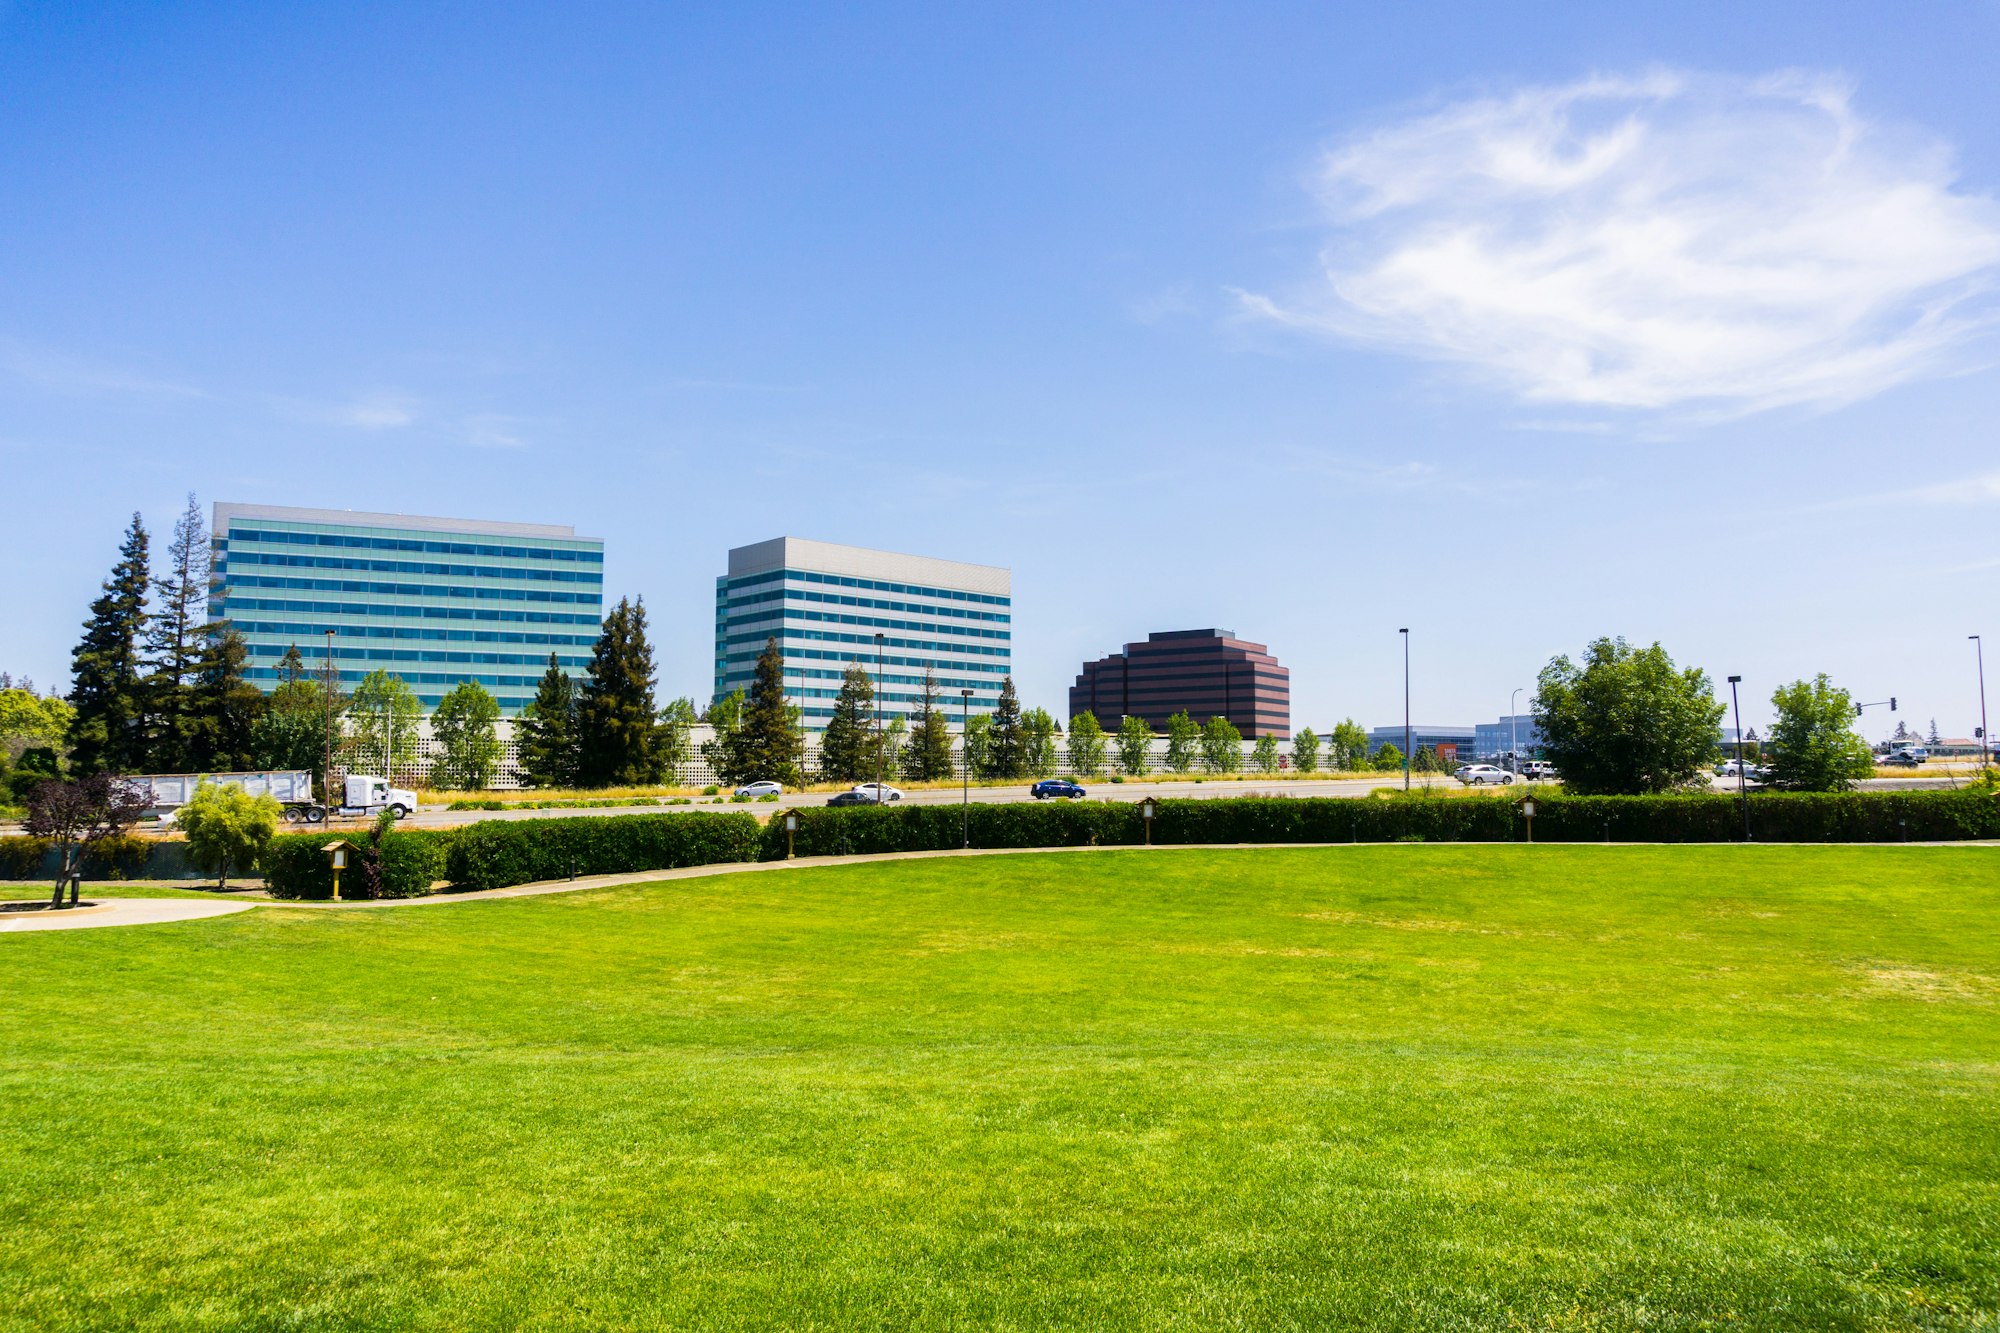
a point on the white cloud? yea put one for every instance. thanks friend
(1660, 241)
(378, 412)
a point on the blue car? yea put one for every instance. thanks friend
(1058, 788)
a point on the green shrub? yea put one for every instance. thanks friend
(21, 858)
(497, 853)
(295, 864)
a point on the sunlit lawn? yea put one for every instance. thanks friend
(1387, 1087)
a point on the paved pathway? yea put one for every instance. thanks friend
(120, 912)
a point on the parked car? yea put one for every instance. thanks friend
(1539, 770)
(756, 789)
(1905, 758)
(1752, 772)
(853, 798)
(1057, 788)
(883, 792)
(1482, 775)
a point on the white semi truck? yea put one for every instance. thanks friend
(166, 793)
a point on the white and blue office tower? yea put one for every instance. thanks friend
(826, 605)
(433, 600)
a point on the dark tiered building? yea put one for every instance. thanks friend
(1205, 672)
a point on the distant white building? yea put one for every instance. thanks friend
(897, 615)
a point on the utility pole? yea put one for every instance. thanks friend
(1406, 708)
(1985, 737)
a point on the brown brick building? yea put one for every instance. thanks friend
(1206, 672)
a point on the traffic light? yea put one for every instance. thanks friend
(1892, 703)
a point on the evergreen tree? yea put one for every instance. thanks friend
(548, 732)
(1934, 738)
(290, 731)
(464, 728)
(617, 736)
(767, 746)
(846, 747)
(222, 709)
(108, 731)
(1086, 745)
(928, 758)
(1305, 750)
(177, 636)
(1007, 749)
(1135, 745)
(1388, 757)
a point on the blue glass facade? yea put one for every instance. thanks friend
(435, 601)
(826, 603)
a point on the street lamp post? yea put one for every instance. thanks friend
(1985, 736)
(1742, 783)
(880, 746)
(1513, 733)
(1406, 708)
(965, 767)
(326, 775)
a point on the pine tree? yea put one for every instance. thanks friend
(222, 709)
(109, 729)
(290, 731)
(616, 728)
(846, 747)
(1007, 752)
(1934, 738)
(176, 638)
(928, 756)
(767, 746)
(548, 732)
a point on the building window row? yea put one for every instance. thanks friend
(225, 608)
(414, 590)
(914, 608)
(408, 544)
(874, 622)
(866, 641)
(307, 633)
(426, 655)
(873, 585)
(413, 567)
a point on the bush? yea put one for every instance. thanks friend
(21, 858)
(295, 865)
(497, 853)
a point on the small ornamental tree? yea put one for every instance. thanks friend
(1038, 742)
(1183, 736)
(1135, 745)
(464, 726)
(1264, 754)
(846, 746)
(1813, 745)
(1007, 753)
(1221, 746)
(1626, 721)
(1305, 750)
(77, 815)
(1086, 745)
(229, 828)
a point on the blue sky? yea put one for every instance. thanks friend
(1514, 324)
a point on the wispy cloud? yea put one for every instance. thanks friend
(60, 373)
(1660, 241)
(1962, 493)
(378, 411)
(495, 430)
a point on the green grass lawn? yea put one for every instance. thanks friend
(1386, 1087)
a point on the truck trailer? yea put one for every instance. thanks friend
(166, 793)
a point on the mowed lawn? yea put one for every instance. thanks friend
(1382, 1087)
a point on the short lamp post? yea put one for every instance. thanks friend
(336, 855)
(791, 831)
(1528, 814)
(1149, 810)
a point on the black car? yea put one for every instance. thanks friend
(1060, 788)
(853, 798)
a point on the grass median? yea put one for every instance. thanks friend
(1388, 1086)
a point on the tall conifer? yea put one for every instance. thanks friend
(845, 745)
(177, 636)
(766, 747)
(927, 758)
(1007, 752)
(616, 728)
(220, 722)
(109, 729)
(548, 731)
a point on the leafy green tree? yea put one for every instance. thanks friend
(676, 737)
(28, 720)
(547, 731)
(1135, 745)
(1625, 721)
(1264, 754)
(1813, 744)
(228, 828)
(383, 715)
(108, 729)
(895, 746)
(1183, 736)
(617, 734)
(1086, 745)
(464, 726)
(1388, 757)
(1038, 742)
(290, 732)
(976, 745)
(723, 717)
(218, 726)
(928, 758)
(846, 747)
(1427, 760)
(1305, 750)
(1221, 746)
(1347, 746)
(1007, 751)
(177, 636)
(766, 746)
(37, 764)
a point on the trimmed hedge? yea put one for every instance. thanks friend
(295, 864)
(498, 852)
(1927, 816)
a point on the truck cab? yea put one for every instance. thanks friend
(366, 795)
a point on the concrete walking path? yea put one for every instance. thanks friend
(120, 912)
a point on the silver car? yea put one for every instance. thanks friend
(1483, 775)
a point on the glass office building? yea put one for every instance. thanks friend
(1453, 744)
(825, 605)
(433, 600)
(1516, 734)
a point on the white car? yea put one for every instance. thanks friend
(756, 789)
(1480, 775)
(879, 791)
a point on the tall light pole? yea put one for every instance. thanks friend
(880, 747)
(965, 766)
(1513, 733)
(1742, 784)
(1985, 736)
(326, 777)
(1406, 708)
